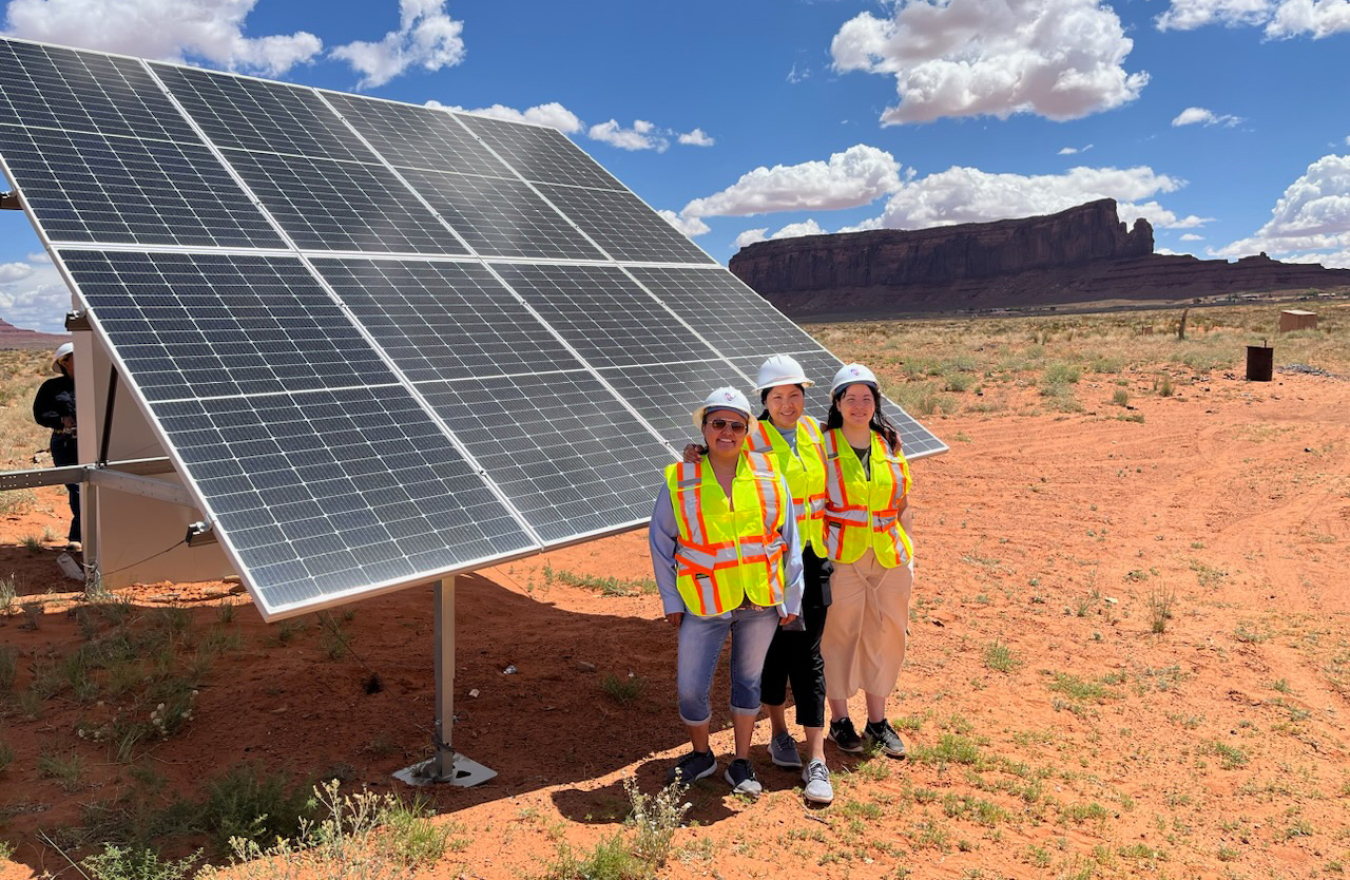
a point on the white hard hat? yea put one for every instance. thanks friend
(781, 370)
(725, 398)
(64, 349)
(850, 374)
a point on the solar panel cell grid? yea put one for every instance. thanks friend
(326, 492)
(666, 394)
(252, 114)
(561, 447)
(604, 315)
(86, 187)
(444, 320)
(501, 218)
(542, 155)
(208, 325)
(54, 87)
(735, 319)
(342, 206)
(623, 226)
(418, 137)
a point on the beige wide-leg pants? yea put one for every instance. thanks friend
(864, 640)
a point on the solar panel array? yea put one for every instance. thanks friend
(384, 343)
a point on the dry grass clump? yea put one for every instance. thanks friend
(21, 372)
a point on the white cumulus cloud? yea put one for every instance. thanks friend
(857, 176)
(1191, 236)
(1061, 59)
(1203, 116)
(1281, 19)
(690, 226)
(970, 195)
(427, 37)
(1073, 151)
(34, 296)
(642, 136)
(172, 30)
(797, 230)
(552, 114)
(697, 138)
(1311, 220)
(751, 236)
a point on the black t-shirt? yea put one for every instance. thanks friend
(864, 458)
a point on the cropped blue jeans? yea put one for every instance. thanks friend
(701, 640)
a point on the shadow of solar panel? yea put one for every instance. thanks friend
(85, 187)
(539, 154)
(328, 494)
(252, 114)
(737, 321)
(570, 457)
(604, 315)
(623, 226)
(210, 325)
(342, 206)
(667, 394)
(820, 367)
(418, 137)
(440, 320)
(54, 87)
(501, 218)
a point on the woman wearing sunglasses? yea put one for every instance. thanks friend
(727, 561)
(793, 438)
(867, 483)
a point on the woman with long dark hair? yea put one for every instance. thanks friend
(867, 483)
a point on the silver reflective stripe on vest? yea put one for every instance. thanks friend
(690, 478)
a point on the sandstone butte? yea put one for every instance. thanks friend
(1082, 255)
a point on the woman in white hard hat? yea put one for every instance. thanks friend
(727, 560)
(794, 656)
(54, 407)
(867, 482)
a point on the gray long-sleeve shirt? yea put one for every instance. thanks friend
(664, 533)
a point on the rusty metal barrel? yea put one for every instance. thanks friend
(1260, 363)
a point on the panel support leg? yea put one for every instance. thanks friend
(446, 765)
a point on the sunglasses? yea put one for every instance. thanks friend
(719, 424)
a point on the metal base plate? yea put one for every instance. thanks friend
(464, 773)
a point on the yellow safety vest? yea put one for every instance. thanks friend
(862, 512)
(805, 473)
(725, 556)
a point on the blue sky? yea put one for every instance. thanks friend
(1226, 123)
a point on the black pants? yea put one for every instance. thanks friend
(66, 451)
(794, 656)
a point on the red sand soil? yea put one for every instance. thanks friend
(1046, 532)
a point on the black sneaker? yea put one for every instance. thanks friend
(882, 737)
(845, 737)
(741, 777)
(691, 768)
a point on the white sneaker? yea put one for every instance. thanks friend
(817, 778)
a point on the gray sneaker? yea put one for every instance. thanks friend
(692, 767)
(741, 777)
(817, 778)
(783, 751)
(881, 736)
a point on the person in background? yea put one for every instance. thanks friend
(54, 407)
(727, 561)
(867, 484)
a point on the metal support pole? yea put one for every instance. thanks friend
(446, 765)
(106, 439)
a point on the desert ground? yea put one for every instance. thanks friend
(1129, 656)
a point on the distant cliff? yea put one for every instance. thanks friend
(1084, 254)
(14, 337)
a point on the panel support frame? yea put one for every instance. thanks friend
(446, 765)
